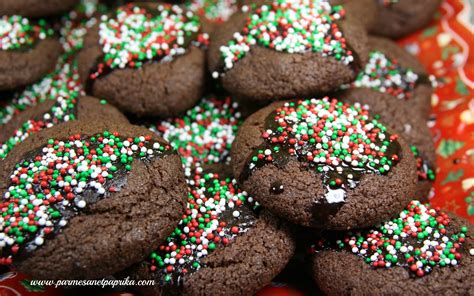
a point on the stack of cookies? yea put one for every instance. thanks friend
(207, 145)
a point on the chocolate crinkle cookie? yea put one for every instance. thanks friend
(224, 244)
(284, 49)
(398, 18)
(146, 58)
(324, 163)
(423, 251)
(83, 201)
(28, 50)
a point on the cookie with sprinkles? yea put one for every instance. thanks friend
(62, 81)
(286, 49)
(324, 163)
(28, 50)
(146, 59)
(400, 118)
(423, 251)
(55, 99)
(398, 18)
(222, 246)
(84, 200)
(35, 8)
(395, 73)
(55, 112)
(204, 135)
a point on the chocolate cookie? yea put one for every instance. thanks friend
(146, 59)
(399, 118)
(221, 247)
(362, 11)
(422, 252)
(287, 49)
(398, 18)
(28, 50)
(396, 73)
(35, 8)
(204, 135)
(86, 200)
(322, 163)
(55, 99)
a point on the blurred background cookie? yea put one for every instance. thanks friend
(398, 18)
(394, 72)
(28, 50)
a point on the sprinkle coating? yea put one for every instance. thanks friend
(217, 212)
(204, 135)
(17, 32)
(56, 181)
(137, 34)
(61, 85)
(420, 240)
(296, 26)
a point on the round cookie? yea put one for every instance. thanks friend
(261, 66)
(399, 118)
(204, 135)
(322, 163)
(159, 71)
(422, 252)
(35, 8)
(105, 195)
(28, 50)
(398, 18)
(56, 99)
(224, 248)
(395, 73)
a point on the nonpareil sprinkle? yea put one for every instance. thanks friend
(204, 135)
(17, 32)
(137, 33)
